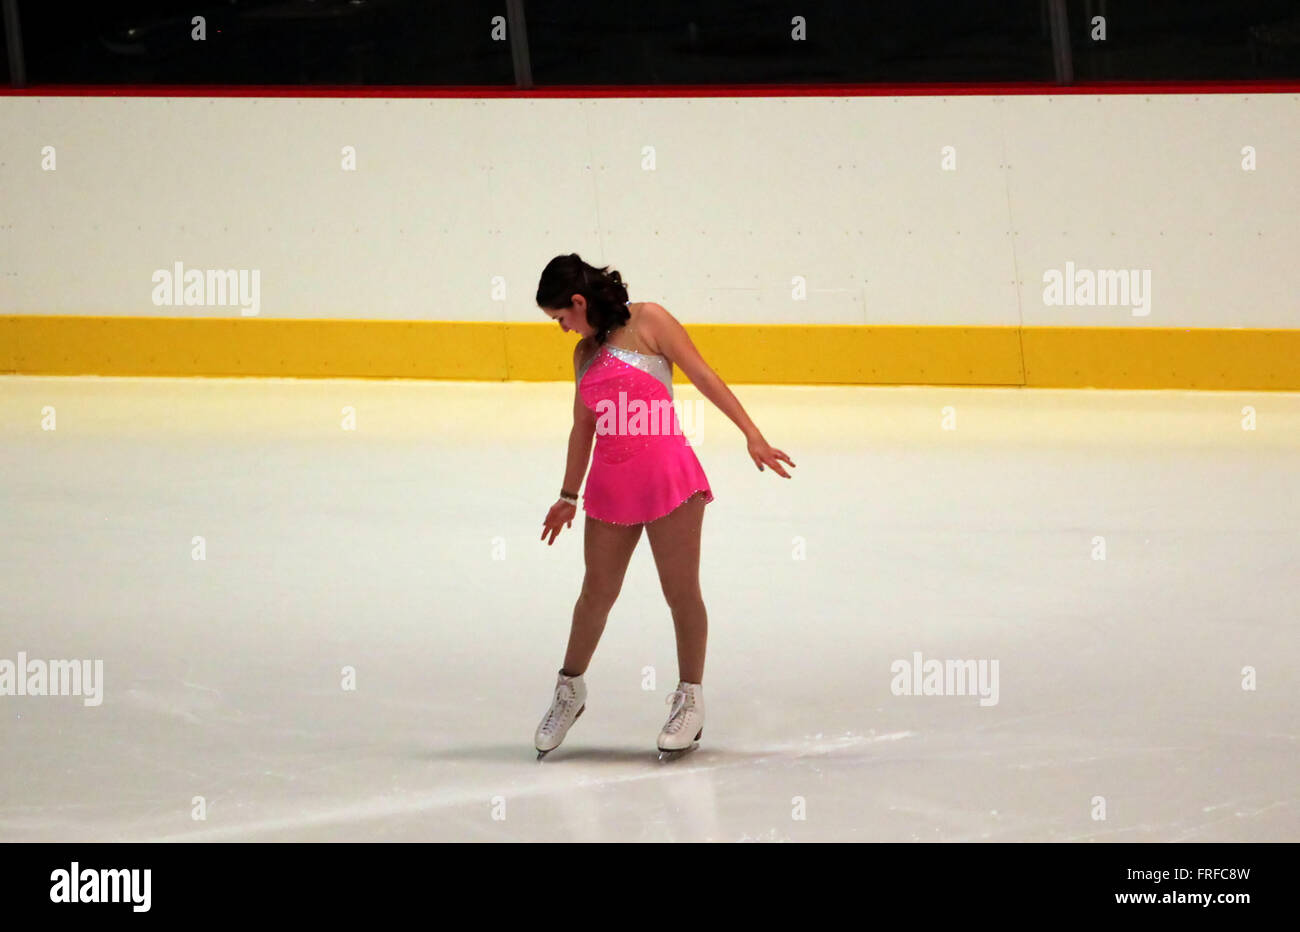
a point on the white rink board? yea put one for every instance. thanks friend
(457, 204)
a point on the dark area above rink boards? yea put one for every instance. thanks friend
(607, 42)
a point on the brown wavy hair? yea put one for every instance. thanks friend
(605, 291)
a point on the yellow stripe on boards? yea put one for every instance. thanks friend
(1158, 357)
(1064, 357)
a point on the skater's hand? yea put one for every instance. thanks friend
(764, 453)
(561, 513)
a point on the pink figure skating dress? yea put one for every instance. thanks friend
(642, 467)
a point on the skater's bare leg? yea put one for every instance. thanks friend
(607, 549)
(675, 542)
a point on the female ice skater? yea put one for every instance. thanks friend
(643, 474)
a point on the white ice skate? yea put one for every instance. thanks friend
(570, 702)
(685, 723)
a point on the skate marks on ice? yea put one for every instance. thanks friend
(558, 777)
(190, 702)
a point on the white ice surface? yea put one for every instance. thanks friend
(408, 549)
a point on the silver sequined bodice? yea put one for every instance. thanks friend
(658, 366)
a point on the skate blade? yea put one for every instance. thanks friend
(673, 754)
(541, 753)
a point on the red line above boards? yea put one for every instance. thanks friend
(659, 90)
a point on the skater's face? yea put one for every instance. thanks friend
(572, 319)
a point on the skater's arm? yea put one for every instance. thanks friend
(583, 431)
(668, 337)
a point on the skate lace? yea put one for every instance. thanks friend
(676, 718)
(560, 706)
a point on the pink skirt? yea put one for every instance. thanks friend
(645, 486)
